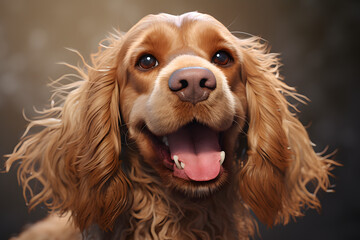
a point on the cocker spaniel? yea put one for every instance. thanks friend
(176, 130)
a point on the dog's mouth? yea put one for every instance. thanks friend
(193, 152)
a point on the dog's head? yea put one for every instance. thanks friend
(188, 99)
(184, 98)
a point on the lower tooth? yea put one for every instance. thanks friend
(176, 160)
(182, 165)
(222, 157)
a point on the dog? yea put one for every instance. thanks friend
(176, 130)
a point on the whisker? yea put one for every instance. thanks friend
(232, 22)
(248, 35)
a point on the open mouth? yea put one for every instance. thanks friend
(193, 152)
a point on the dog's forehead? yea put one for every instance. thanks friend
(184, 23)
(190, 32)
(180, 20)
(191, 27)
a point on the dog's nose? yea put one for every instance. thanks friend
(192, 84)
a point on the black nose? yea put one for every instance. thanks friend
(192, 84)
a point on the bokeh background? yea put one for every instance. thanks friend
(319, 46)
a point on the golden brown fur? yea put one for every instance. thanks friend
(95, 159)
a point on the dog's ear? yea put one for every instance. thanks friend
(281, 160)
(75, 156)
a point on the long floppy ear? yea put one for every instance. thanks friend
(75, 156)
(281, 160)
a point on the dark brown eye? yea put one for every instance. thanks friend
(221, 58)
(147, 61)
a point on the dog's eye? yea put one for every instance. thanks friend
(147, 61)
(221, 58)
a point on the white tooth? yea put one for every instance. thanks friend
(176, 160)
(222, 157)
(165, 141)
(182, 165)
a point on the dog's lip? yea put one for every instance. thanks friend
(161, 139)
(161, 149)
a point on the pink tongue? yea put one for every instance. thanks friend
(198, 148)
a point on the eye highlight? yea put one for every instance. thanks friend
(147, 62)
(221, 58)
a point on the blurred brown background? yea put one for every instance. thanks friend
(318, 42)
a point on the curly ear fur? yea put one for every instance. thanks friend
(281, 160)
(75, 156)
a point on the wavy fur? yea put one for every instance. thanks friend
(281, 160)
(91, 163)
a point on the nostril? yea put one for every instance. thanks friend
(202, 82)
(184, 83)
(208, 82)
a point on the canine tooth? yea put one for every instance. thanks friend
(165, 141)
(176, 160)
(222, 157)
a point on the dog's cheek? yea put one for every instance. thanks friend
(238, 91)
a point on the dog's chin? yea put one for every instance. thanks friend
(195, 189)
